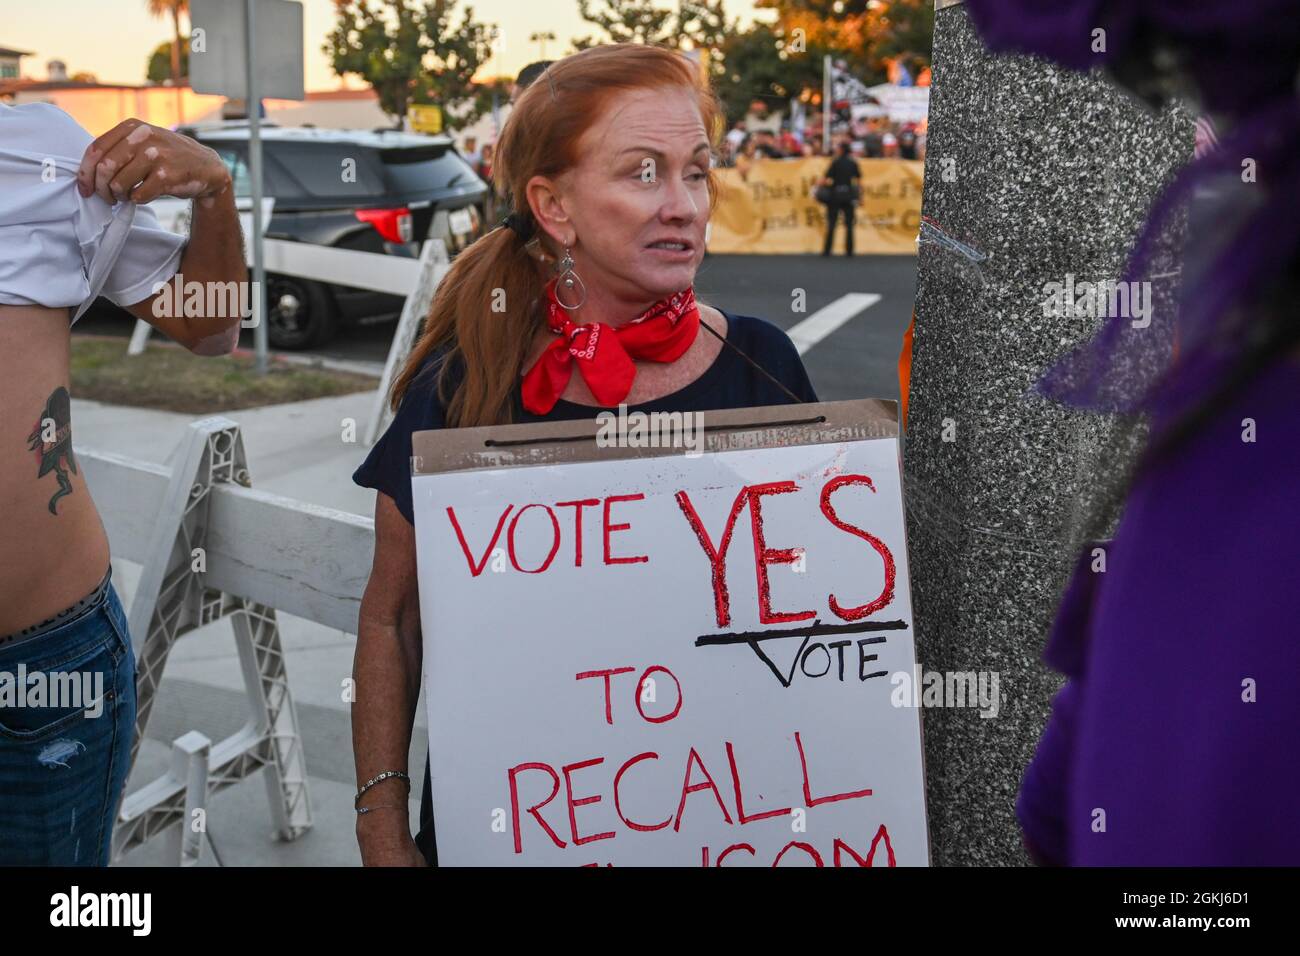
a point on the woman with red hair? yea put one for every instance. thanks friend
(606, 160)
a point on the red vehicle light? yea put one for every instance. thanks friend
(394, 225)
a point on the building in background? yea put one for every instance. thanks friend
(100, 106)
(11, 63)
(330, 109)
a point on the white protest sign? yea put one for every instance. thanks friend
(902, 104)
(672, 660)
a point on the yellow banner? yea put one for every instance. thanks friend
(772, 210)
(424, 117)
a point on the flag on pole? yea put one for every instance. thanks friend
(826, 104)
(847, 89)
(843, 91)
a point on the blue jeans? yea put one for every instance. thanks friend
(65, 753)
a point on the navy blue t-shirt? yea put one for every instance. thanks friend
(730, 382)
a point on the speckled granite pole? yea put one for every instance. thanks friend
(1047, 174)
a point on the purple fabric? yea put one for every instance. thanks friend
(1131, 369)
(1242, 58)
(1156, 753)
(1197, 597)
(1238, 53)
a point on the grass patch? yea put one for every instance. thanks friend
(167, 376)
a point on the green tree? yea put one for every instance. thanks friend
(160, 61)
(764, 63)
(704, 22)
(626, 21)
(173, 9)
(413, 53)
(865, 32)
(694, 24)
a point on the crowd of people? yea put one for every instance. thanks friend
(745, 143)
(867, 139)
(752, 139)
(759, 137)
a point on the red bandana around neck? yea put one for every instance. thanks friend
(604, 354)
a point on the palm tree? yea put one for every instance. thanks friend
(174, 9)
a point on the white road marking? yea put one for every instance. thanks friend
(826, 320)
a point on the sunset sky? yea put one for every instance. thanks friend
(113, 38)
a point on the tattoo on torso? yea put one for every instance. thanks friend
(51, 439)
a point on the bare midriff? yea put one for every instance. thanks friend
(53, 549)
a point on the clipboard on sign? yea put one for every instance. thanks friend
(631, 651)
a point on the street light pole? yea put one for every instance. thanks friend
(253, 108)
(540, 39)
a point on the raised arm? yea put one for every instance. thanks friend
(140, 162)
(386, 671)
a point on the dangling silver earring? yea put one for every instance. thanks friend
(569, 281)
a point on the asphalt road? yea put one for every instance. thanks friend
(855, 359)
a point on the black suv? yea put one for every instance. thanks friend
(401, 188)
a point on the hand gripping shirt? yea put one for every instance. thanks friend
(57, 248)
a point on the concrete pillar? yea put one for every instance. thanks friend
(1037, 173)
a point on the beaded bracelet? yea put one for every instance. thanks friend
(377, 779)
